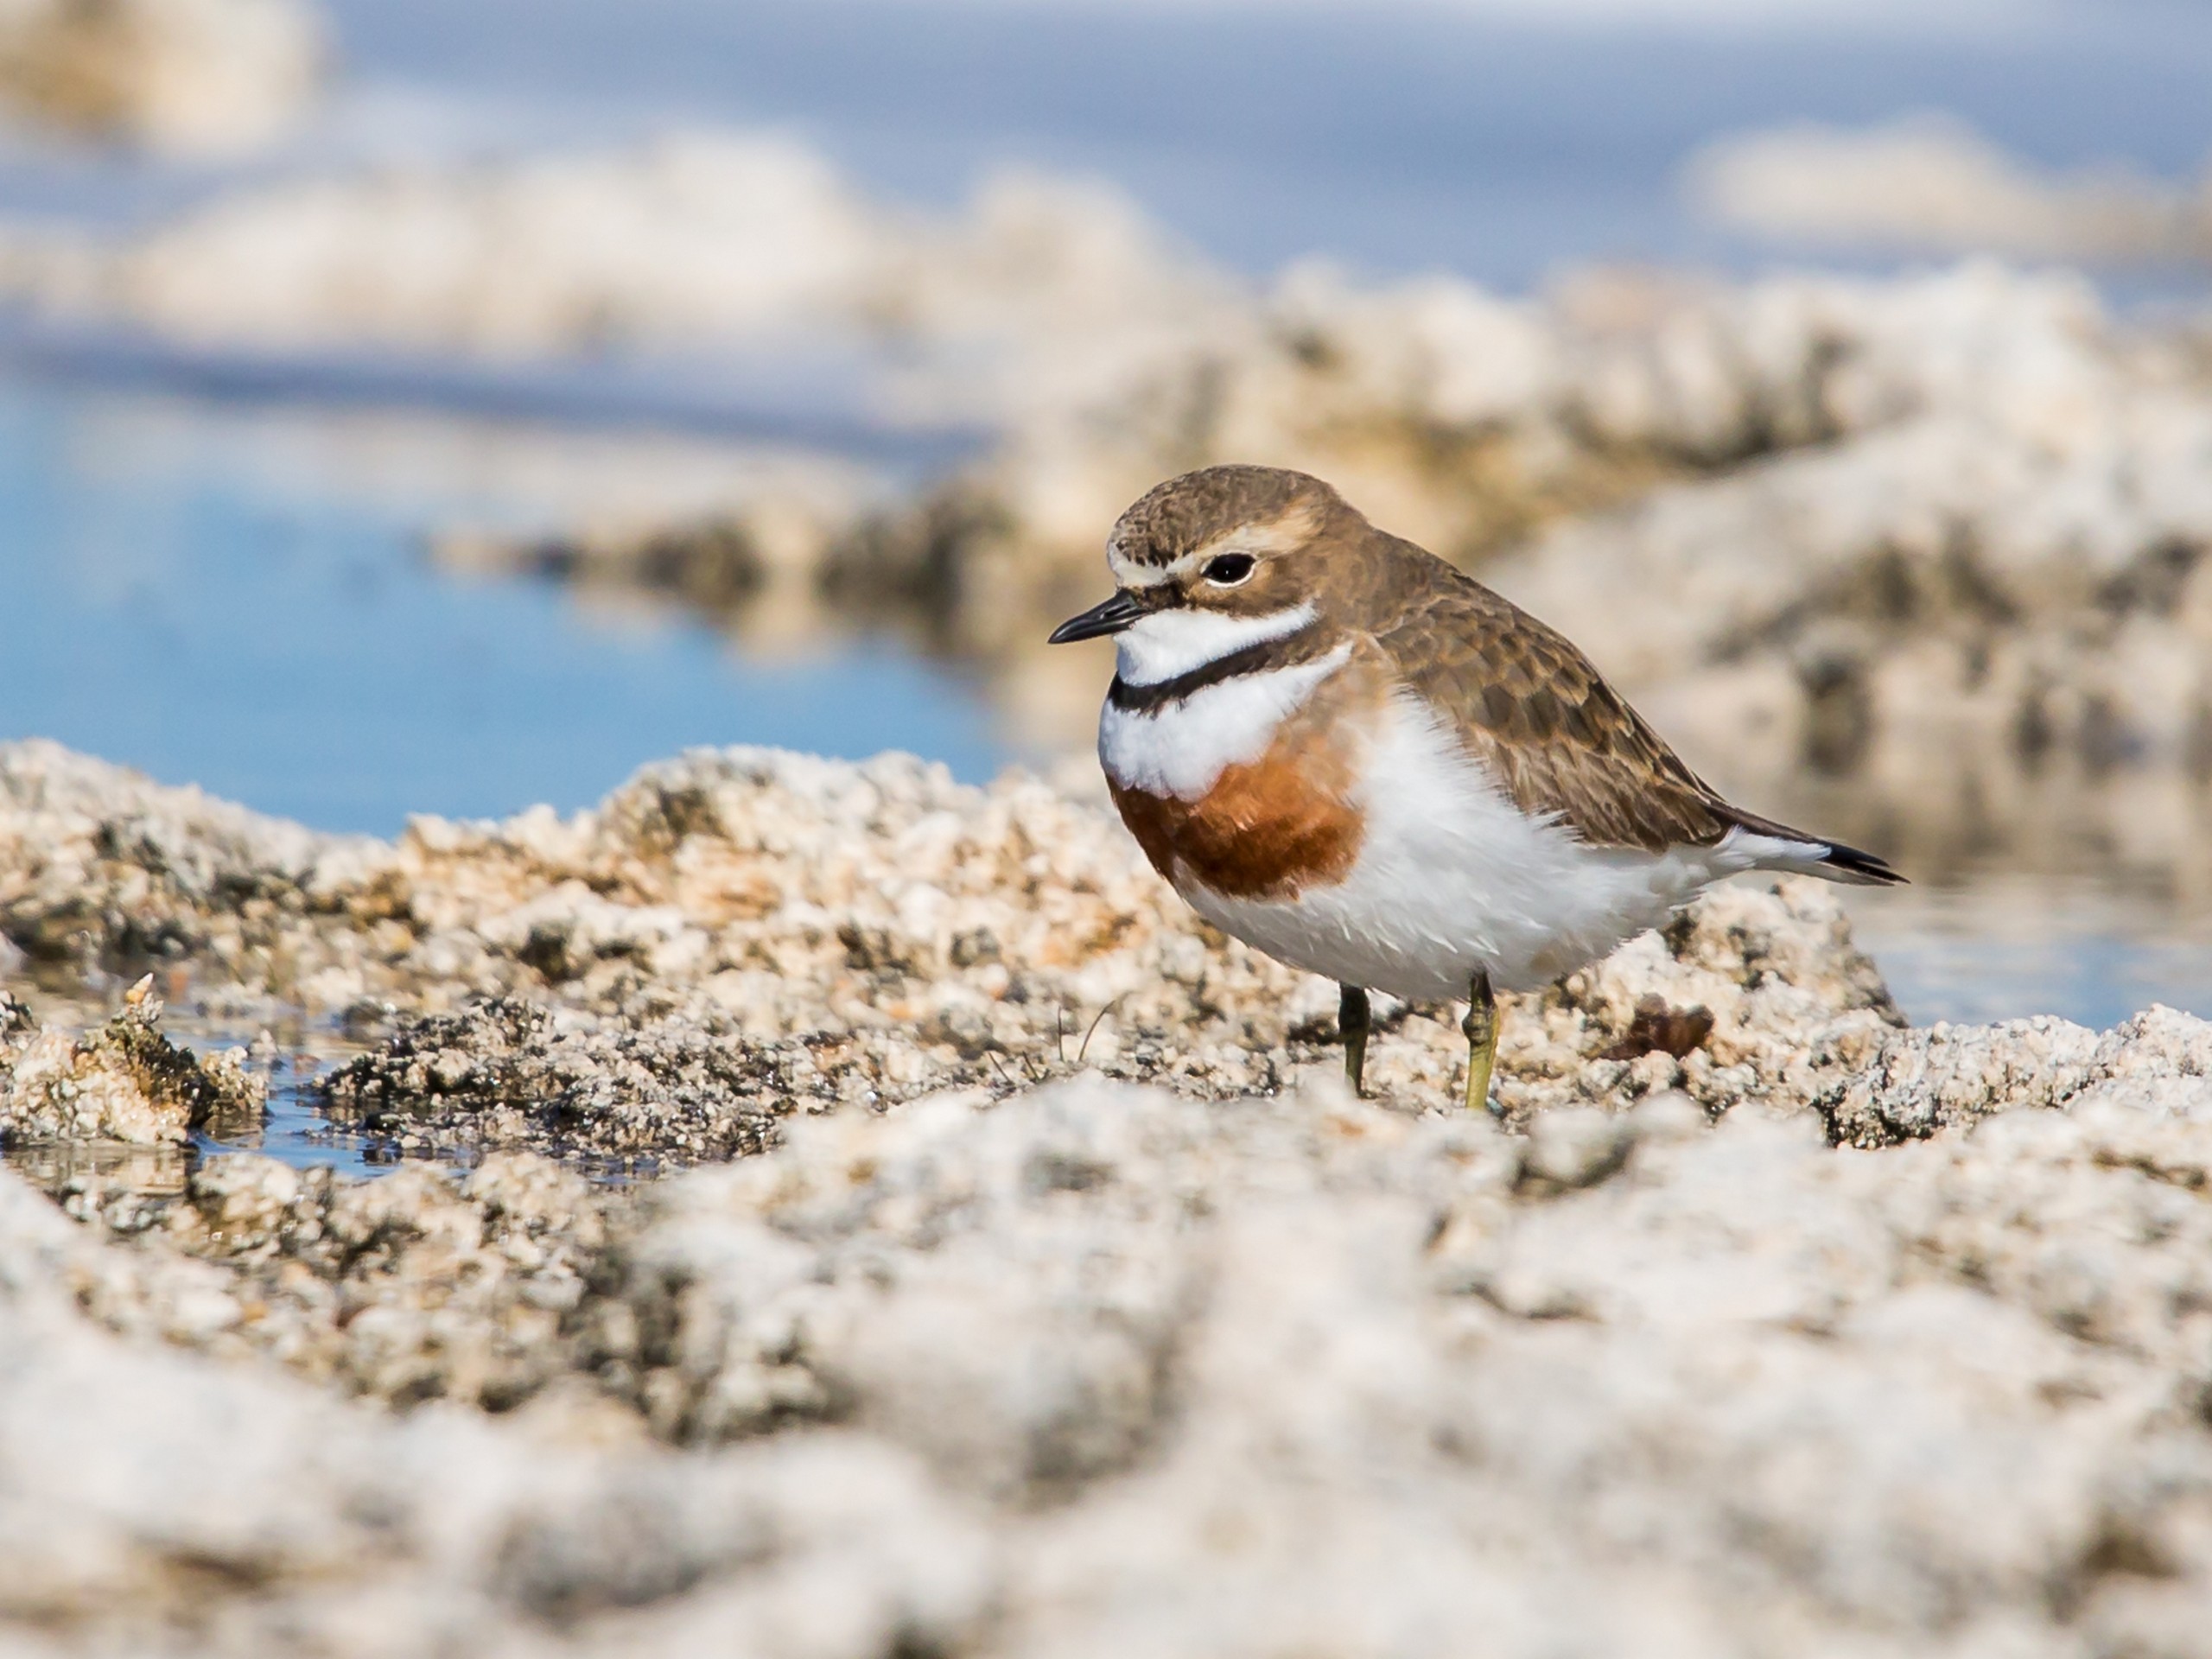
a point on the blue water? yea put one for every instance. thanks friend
(176, 605)
(294, 1130)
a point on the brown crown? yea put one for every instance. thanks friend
(1184, 513)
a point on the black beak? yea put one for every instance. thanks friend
(1108, 616)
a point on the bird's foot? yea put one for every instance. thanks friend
(1354, 1021)
(1481, 1028)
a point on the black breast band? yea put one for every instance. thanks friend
(1256, 658)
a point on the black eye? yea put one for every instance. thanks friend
(1227, 569)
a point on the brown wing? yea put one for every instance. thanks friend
(1560, 739)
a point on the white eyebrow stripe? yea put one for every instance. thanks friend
(1128, 572)
(1162, 644)
(1127, 575)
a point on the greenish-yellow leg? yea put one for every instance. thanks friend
(1353, 1023)
(1481, 1026)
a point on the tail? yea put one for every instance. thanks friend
(1770, 846)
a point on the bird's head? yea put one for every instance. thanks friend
(1214, 562)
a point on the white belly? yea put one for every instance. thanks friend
(1451, 877)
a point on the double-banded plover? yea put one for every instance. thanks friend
(1345, 753)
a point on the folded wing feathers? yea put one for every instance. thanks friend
(1561, 741)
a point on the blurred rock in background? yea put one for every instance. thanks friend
(201, 78)
(1932, 184)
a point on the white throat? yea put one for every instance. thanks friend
(1159, 647)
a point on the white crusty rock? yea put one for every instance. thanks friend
(121, 1081)
(700, 240)
(1098, 1369)
(98, 861)
(420, 1285)
(155, 1502)
(1923, 1080)
(769, 930)
(1178, 1350)
(1932, 184)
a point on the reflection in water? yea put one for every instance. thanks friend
(294, 1130)
(220, 601)
(289, 1053)
(53, 1166)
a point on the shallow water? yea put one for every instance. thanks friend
(2003, 946)
(294, 1130)
(290, 1055)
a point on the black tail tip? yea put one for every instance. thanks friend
(1838, 862)
(1854, 864)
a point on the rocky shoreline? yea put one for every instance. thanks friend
(746, 924)
(1016, 1275)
